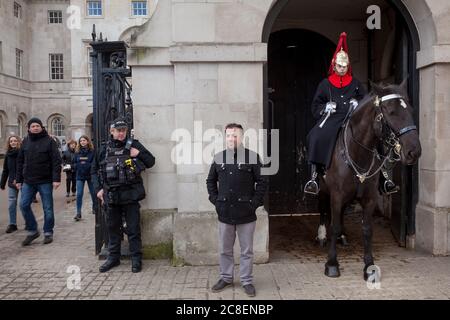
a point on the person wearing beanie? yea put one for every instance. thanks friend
(38, 170)
(35, 120)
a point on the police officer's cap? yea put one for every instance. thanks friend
(119, 124)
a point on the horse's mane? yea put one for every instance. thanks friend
(363, 103)
(388, 88)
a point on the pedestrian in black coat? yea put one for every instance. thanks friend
(236, 187)
(38, 170)
(9, 178)
(68, 159)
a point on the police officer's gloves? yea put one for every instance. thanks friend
(330, 107)
(353, 103)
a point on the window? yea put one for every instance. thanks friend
(94, 8)
(90, 62)
(19, 63)
(1, 58)
(56, 66)
(139, 8)
(17, 10)
(57, 125)
(21, 125)
(1, 126)
(54, 16)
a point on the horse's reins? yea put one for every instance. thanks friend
(392, 141)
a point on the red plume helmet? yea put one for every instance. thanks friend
(341, 55)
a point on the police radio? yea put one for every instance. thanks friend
(130, 140)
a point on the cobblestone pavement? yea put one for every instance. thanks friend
(41, 272)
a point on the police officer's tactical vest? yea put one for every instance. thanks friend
(120, 168)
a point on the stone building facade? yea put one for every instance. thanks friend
(206, 62)
(38, 35)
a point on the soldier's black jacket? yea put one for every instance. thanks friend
(321, 141)
(128, 193)
(241, 186)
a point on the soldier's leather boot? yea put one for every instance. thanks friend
(387, 185)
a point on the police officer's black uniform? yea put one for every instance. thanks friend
(119, 176)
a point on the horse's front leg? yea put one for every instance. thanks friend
(332, 265)
(324, 209)
(343, 236)
(367, 228)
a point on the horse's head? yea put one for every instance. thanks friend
(395, 114)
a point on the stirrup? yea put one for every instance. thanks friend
(389, 187)
(311, 187)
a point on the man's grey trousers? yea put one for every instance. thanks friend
(227, 237)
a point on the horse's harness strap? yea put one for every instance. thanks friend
(406, 130)
(390, 97)
(378, 101)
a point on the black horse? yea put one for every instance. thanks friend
(383, 117)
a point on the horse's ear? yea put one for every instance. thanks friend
(375, 88)
(404, 85)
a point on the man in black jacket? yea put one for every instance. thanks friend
(38, 170)
(118, 184)
(241, 190)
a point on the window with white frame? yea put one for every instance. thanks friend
(57, 125)
(94, 8)
(19, 63)
(17, 10)
(139, 8)
(1, 57)
(56, 66)
(90, 62)
(54, 16)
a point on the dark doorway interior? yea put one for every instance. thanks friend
(298, 61)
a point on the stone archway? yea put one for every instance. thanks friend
(398, 61)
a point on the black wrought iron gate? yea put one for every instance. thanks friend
(111, 99)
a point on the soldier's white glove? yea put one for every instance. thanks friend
(330, 107)
(353, 103)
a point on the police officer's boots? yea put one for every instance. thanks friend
(387, 185)
(312, 186)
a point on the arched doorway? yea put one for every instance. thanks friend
(305, 30)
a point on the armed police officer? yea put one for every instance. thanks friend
(236, 188)
(335, 99)
(119, 186)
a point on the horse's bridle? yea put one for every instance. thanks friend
(392, 140)
(378, 103)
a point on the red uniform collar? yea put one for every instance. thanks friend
(340, 82)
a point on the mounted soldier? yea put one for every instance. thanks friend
(335, 98)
